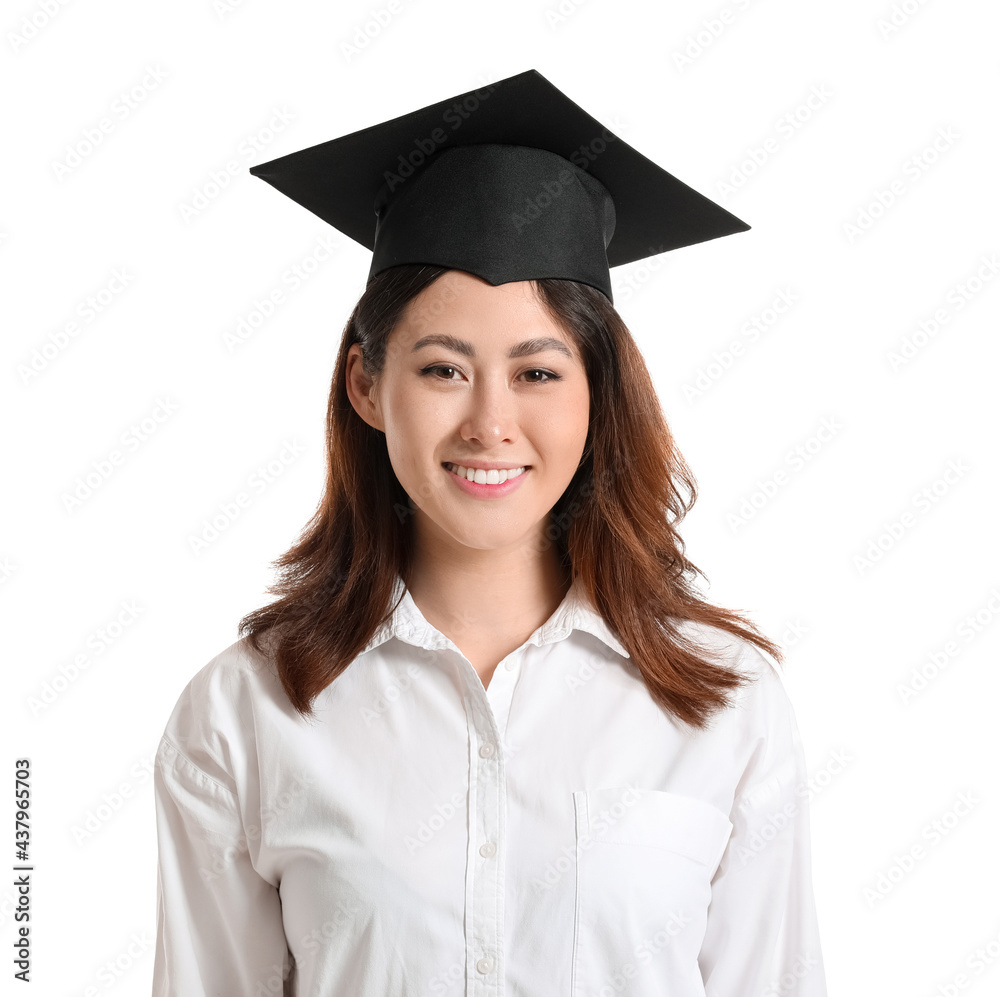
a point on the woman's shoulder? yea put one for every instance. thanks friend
(226, 679)
(211, 725)
(730, 650)
(762, 699)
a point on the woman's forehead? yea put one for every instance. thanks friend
(472, 317)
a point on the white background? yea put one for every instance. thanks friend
(208, 79)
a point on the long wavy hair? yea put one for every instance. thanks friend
(614, 527)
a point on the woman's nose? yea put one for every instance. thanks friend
(491, 416)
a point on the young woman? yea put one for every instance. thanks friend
(488, 739)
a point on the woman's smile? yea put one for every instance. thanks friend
(486, 484)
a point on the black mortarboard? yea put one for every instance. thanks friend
(512, 181)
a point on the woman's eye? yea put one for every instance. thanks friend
(546, 376)
(430, 370)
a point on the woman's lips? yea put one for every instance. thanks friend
(485, 491)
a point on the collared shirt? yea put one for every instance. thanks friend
(555, 834)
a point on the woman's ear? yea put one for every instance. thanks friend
(361, 389)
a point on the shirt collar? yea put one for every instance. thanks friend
(575, 612)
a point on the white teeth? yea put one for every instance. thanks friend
(482, 477)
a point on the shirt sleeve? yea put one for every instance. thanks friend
(762, 936)
(219, 927)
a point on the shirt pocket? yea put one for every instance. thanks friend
(644, 865)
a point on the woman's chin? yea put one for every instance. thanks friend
(481, 533)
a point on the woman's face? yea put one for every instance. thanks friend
(480, 377)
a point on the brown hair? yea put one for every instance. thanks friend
(615, 526)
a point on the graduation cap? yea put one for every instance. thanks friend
(512, 181)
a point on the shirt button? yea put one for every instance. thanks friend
(486, 751)
(488, 850)
(484, 965)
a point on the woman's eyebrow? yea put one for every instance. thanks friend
(463, 346)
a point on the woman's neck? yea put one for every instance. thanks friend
(487, 596)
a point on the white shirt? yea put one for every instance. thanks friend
(556, 834)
